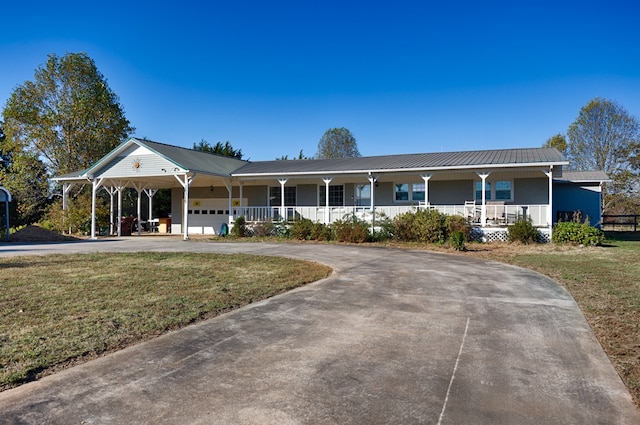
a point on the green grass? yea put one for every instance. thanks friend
(57, 310)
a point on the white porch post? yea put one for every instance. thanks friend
(426, 178)
(185, 213)
(327, 217)
(119, 189)
(229, 185)
(95, 185)
(282, 211)
(65, 196)
(150, 194)
(139, 188)
(372, 181)
(483, 208)
(111, 191)
(550, 207)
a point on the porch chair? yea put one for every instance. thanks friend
(470, 211)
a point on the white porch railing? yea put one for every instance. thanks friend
(496, 215)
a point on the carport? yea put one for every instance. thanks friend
(146, 167)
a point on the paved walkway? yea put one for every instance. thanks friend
(393, 337)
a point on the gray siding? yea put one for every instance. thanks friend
(150, 165)
(307, 195)
(257, 195)
(383, 194)
(451, 192)
(531, 191)
(177, 201)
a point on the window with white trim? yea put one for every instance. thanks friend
(363, 195)
(404, 192)
(290, 198)
(336, 195)
(500, 190)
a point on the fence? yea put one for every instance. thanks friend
(620, 222)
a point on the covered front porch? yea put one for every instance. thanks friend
(475, 214)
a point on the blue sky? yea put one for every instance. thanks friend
(403, 76)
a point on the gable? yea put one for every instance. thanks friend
(137, 161)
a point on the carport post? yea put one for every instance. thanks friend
(185, 214)
(95, 185)
(6, 197)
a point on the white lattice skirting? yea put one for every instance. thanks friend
(500, 234)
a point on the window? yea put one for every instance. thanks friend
(417, 192)
(409, 192)
(363, 195)
(289, 196)
(501, 190)
(487, 189)
(336, 196)
(402, 191)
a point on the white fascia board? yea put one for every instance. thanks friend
(403, 170)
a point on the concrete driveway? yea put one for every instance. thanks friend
(393, 337)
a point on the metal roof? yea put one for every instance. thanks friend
(193, 160)
(584, 176)
(408, 162)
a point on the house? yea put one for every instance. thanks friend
(491, 188)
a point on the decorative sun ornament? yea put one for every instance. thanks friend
(136, 165)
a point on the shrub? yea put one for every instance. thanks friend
(457, 240)
(265, 229)
(384, 228)
(301, 229)
(421, 226)
(239, 228)
(523, 231)
(350, 229)
(320, 232)
(578, 233)
(457, 223)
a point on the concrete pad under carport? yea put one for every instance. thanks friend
(393, 337)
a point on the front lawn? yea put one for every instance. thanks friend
(60, 310)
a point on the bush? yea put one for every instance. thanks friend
(421, 226)
(320, 232)
(578, 233)
(301, 229)
(523, 231)
(457, 223)
(239, 228)
(457, 240)
(266, 229)
(350, 229)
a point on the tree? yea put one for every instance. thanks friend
(337, 143)
(301, 155)
(558, 141)
(63, 121)
(218, 149)
(606, 137)
(68, 116)
(25, 176)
